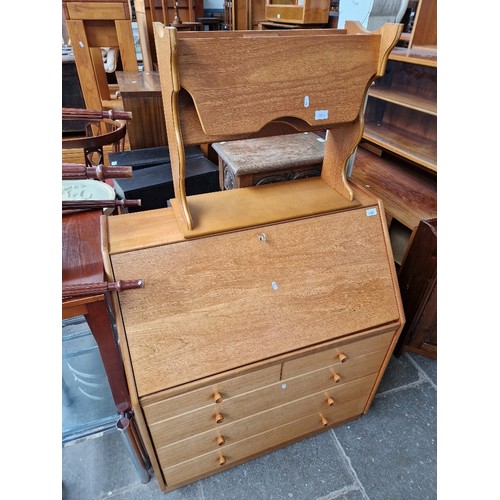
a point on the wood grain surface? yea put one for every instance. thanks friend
(228, 300)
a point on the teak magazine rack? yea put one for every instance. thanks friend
(268, 313)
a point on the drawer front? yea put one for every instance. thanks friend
(330, 356)
(250, 403)
(206, 396)
(218, 460)
(222, 437)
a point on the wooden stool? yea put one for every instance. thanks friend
(252, 162)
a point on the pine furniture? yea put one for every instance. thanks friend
(268, 313)
(92, 25)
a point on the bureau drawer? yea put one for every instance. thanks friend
(250, 403)
(188, 401)
(218, 460)
(330, 356)
(221, 438)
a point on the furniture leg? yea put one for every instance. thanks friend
(135, 448)
(99, 322)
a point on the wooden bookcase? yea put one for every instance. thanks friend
(397, 161)
(401, 112)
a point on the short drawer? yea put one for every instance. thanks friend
(221, 438)
(216, 461)
(330, 356)
(207, 396)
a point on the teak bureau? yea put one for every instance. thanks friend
(269, 313)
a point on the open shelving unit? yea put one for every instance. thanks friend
(401, 112)
(397, 161)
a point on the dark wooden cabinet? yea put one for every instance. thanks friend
(418, 283)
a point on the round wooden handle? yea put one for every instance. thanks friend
(324, 421)
(330, 401)
(217, 397)
(222, 460)
(218, 417)
(336, 377)
(220, 440)
(342, 357)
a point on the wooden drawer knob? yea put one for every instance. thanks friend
(222, 460)
(336, 377)
(330, 401)
(220, 440)
(324, 421)
(217, 397)
(342, 357)
(218, 417)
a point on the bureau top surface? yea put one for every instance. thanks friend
(222, 302)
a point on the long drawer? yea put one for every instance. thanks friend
(222, 437)
(205, 396)
(229, 410)
(217, 460)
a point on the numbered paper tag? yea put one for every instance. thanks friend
(321, 114)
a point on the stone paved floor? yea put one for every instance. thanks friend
(388, 454)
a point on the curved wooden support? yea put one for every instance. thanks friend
(116, 132)
(390, 34)
(169, 77)
(341, 143)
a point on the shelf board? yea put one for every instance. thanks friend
(408, 194)
(425, 56)
(423, 152)
(412, 101)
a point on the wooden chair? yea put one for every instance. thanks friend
(92, 25)
(220, 86)
(103, 130)
(165, 11)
